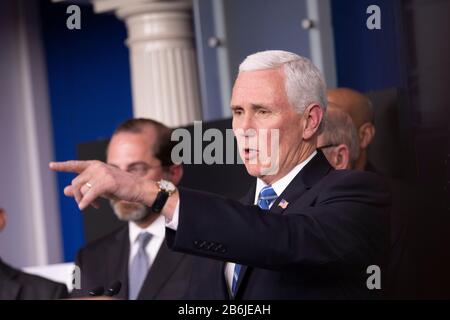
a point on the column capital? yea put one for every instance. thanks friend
(126, 8)
(149, 20)
(163, 62)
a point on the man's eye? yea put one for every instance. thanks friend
(263, 111)
(237, 111)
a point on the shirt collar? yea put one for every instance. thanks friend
(157, 229)
(281, 184)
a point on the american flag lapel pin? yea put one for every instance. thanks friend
(283, 204)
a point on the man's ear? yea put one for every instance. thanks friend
(174, 173)
(2, 219)
(341, 157)
(312, 118)
(366, 134)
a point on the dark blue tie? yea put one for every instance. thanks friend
(265, 198)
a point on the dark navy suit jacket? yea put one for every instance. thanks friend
(319, 247)
(105, 261)
(18, 285)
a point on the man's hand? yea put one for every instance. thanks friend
(96, 179)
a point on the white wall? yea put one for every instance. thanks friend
(27, 187)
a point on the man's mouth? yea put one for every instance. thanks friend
(249, 153)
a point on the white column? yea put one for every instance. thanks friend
(164, 72)
(28, 188)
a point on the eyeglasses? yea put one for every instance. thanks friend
(140, 169)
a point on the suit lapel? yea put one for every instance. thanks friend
(314, 170)
(10, 288)
(118, 257)
(165, 264)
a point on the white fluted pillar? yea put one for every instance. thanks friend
(164, 72)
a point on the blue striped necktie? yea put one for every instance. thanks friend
(265, 198)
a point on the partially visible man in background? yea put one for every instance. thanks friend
(18, 285)
(339, 139)
(406, 198)
(360, 110)
(136, 255)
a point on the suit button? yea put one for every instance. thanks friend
(196, 243)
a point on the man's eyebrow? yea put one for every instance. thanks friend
(257, 106)
(253, 105)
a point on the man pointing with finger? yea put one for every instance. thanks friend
(303, 231)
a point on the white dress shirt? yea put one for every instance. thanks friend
(279, 186)
(158, 231)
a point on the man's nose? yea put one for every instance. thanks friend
(246, 124)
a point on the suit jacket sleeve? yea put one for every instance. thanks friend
(342, 225)
(60, 292)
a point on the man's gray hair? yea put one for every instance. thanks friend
(340, 129)
(304, 83)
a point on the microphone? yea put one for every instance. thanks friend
(114, 289)
(98, 291)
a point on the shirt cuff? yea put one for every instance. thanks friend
(173, 223)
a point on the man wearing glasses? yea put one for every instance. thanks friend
(339, 139)
(136, 255)
(360, 110)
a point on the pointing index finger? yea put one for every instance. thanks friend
(75, 166)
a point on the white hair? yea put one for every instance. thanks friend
(304, 83)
